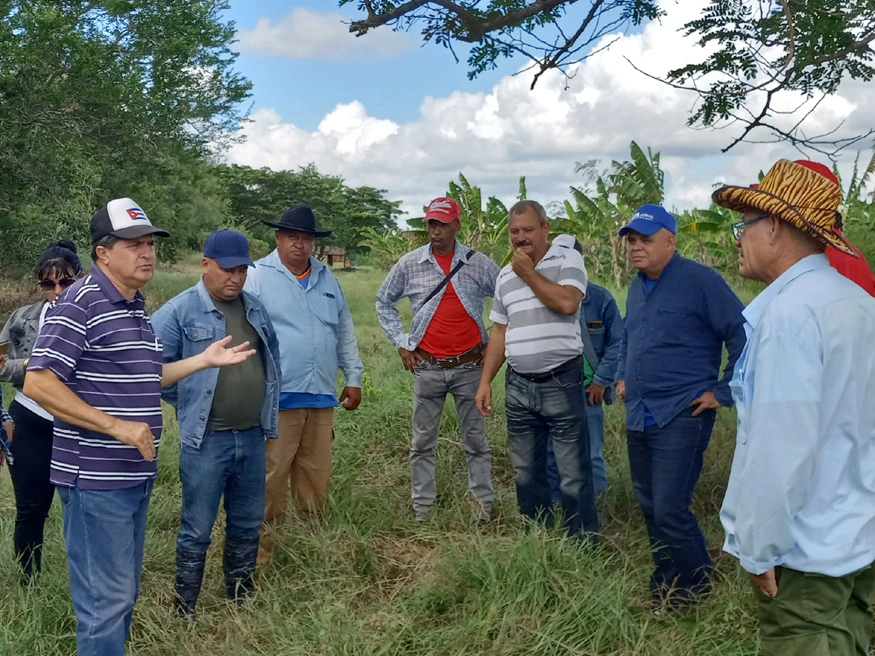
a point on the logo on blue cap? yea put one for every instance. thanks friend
(650, 219)
(228, 248)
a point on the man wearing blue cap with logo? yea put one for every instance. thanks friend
(224, 416)
(679, 314)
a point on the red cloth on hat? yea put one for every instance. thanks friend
(451, 330)
(852, 268)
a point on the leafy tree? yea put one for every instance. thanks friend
(101, 98)
(258, 195)
(756, 51)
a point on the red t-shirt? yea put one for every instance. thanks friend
(451, 330)
(852, 268)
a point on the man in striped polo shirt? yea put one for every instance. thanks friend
(97, 368)
(536, 328)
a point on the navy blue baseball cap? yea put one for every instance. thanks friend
(650, 219)
(228, 248)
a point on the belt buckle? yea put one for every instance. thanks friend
(449, 363)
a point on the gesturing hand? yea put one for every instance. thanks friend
(522, 264)
(483, 399)
(409, 359)
(217, 355)
(705, 402)
(350, 397)
(767, 582)
(595, 393)
(137, 434)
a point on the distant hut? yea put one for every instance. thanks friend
(334, 256)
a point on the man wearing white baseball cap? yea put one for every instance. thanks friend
(97, 369)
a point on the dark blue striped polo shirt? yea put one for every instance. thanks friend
(103, 347)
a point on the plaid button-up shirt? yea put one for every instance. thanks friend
(416, 275)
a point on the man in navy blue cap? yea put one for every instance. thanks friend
(679, 314)
(224, 416)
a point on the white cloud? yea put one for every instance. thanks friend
(494, 138)
(306, 34)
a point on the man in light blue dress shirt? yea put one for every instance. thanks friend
(799, 511)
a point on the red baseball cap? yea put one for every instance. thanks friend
(445, 210)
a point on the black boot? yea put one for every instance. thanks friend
(239, 566)
(189, 576)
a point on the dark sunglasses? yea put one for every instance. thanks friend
(49, 285)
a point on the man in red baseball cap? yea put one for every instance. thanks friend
(446, 283)
(852, 268)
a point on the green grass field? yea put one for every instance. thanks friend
(365, 579)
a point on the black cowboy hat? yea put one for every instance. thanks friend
(300, 218)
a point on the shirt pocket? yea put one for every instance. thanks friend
(197, 338)
(325, 309)
(597, 337)
(675, 327)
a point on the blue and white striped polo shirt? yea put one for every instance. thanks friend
(538, 339)
(103, 347)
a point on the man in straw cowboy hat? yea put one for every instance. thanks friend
(316, 336)
(799, 511)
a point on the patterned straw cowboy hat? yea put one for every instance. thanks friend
(796, 193)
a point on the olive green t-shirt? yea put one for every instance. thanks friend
(239, 392)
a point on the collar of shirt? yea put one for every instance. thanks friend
(111, 291)
(671, 264)
(273, 261)
(459, 253)
(755, 309)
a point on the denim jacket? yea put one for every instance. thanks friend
(599, 306)
(186, 325)
(20, 331)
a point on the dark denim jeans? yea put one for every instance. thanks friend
(665, 464)
(229, 464)
(595, 428)
(551, 411)
(104, 531)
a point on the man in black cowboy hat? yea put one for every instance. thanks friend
(799, 511)
(316, 336)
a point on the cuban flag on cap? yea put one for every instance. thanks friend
(137, 214)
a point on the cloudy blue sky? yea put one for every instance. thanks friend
(382, 110)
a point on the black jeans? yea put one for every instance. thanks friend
(32, 446)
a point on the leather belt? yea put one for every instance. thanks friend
(561, 369)
(471, 355)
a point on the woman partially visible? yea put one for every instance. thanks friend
(57, 269)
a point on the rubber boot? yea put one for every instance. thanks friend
(189, 577)
(239, 566)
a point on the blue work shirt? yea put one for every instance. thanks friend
(186, 325)
(314, 328)
(673, 341)
(801, 492)
(599, 306)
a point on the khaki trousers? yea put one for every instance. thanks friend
(298, 460)
(816, 615)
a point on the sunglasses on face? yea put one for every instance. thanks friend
(738, 228)
(49, 285)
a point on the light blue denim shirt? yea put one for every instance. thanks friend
(313, 325)
(802, 489)
(186, 325)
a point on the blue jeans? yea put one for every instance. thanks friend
(229, 464)
(595, 428)
(665, 465)
(551, 411)
(104, 531)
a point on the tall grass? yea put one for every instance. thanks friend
(366, 579)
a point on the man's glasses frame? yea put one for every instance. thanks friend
(739, 227)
